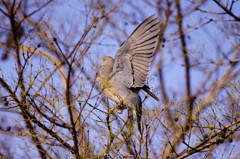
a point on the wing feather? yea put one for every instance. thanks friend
(149, 24)
(140, 71)
(134, 57)
(153, 28)
(147, 42)
(140, 76)
(145, 53)
(145, 59)
(144, 64)
(147, 39)
(142, 67)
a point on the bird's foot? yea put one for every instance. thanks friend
(120, 108)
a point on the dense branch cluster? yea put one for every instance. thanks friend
(52, 107)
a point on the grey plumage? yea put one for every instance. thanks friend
(121, 78)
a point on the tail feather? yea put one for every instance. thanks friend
(146, 89)
(139, 116)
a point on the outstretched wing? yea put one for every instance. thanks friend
(133, 58)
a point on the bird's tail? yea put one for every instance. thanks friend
(146, 89)
(139, 116)
(135, 116)
(134, 104)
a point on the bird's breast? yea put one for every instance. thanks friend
(116, 91)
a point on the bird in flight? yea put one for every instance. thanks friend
(122, 77)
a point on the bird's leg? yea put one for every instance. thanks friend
(120, 107)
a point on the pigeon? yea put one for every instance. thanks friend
(121, 78)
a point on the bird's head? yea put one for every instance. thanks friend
(107, 63)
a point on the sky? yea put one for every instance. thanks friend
(69, 15)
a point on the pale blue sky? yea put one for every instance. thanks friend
(202, 42)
